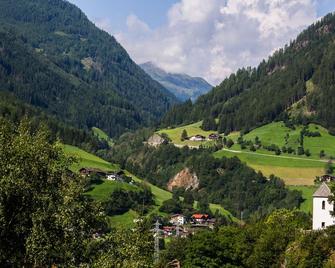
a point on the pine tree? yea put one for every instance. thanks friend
(184, 135)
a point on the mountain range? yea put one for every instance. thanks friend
(183, 86)
(52, 57)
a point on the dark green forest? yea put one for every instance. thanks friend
(255, 96)
(53, 57)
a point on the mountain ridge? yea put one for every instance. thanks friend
(183, 86)
(252, 97)
(80, 73)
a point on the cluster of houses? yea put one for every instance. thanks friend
(212, 136)
(118, 176)
(183, 226)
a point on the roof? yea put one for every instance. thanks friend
(322, 191)
(199, 216)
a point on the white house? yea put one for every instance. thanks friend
(178, 219)
(198, 138)
(322, 208)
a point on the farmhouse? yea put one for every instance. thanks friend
(326, 178)
(200, 218)
(214, 136)
(114, 177)
(322, 208)
(178, 219)
(198, 138)
(91, 171)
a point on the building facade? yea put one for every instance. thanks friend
(322, 208)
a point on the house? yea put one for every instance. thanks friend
(113, 177)
(200, 218)
(91, 171)
(214, 136)
(322, 208)
(169, 230)
(326, 178)
(198, 138)
(178, 219)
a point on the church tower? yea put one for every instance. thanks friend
(322, 208)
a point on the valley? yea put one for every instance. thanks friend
(102, 191)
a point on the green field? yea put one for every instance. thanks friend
(102, 191)
(86, 159)
(192, 130)
(293, 169)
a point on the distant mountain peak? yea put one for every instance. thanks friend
(183, 86)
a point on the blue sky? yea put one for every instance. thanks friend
(206, 38)
(153, 12)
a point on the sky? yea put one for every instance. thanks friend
(205, 38)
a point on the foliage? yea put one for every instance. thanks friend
(209, 124)
(184, 135)
(121, 200)
(131, 248)
(44, 218)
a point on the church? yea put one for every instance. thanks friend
(322, 208)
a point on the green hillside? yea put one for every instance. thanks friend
(294, 169)
(102, 191)
(296, 81)
(88, 160)
(54, 58)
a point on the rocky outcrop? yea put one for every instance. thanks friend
(184, 179)
(156, 140)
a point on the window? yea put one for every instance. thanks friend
(323, 204)
(323, 224)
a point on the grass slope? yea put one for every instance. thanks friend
(102, 191)
(86, 159)
(102, 135)
(293, 169)
(193, 129)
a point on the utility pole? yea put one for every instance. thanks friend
(177, 229)
(157, 236)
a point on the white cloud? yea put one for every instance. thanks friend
(213, 38)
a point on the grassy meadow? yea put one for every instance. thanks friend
(293, 169)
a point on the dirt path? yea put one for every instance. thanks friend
(277, 156)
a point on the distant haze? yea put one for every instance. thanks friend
(183, 86)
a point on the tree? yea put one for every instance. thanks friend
(44, 217)
(230, 143)
(307, 153)
(322, 154)
(131, 248)
(209, 124)
(300, 150)
(184, 135)
(329, 169)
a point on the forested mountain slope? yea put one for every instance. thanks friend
(183, 86)
(53, 57)
(299, 75)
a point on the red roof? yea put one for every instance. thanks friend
(199, 216)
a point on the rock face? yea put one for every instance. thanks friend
(156, 140)
(184, 179)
